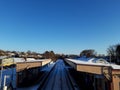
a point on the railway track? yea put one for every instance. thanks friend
(58, 78)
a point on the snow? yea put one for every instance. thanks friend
(91, 61)
(87, 62)
(17, 60)
(94, 61)
(29, 59)
(115, 66)
(39, 60)
(2, 57)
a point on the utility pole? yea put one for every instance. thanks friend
(110, 59)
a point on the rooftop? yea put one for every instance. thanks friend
(94, 61)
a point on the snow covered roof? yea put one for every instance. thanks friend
(114, 66)
(87, 62)
(94, 61)
(2, 57)
(100, 60)
(84, 59)
(34, 60)
(17, 60)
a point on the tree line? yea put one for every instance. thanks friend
(31, 54)
(113, 53)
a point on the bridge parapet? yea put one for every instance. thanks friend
(110, 72)
(31, 64)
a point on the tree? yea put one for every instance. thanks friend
(118, 54)
(111, 51)
(46, 55)
(114, 53)
(88, 53)
(2, 53)
(29, 52)
(50, 55)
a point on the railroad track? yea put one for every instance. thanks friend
(46, 75)
(58, 78)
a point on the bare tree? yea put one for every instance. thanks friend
(114, 53)
(111, 51)
(118, 54)
(88, 53)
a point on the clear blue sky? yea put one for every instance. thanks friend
(64, 26)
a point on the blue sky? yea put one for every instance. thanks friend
(64, 26)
